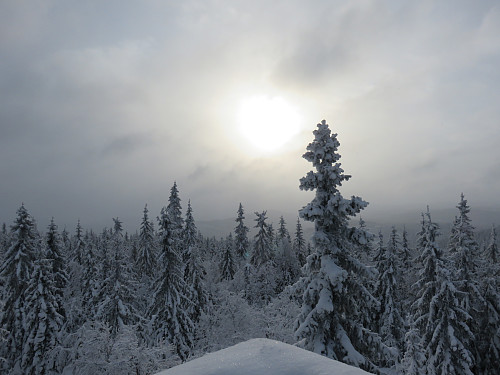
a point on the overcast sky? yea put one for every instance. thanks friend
(104, 104)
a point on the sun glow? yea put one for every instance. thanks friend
(267, 123)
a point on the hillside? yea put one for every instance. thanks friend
(263, 357)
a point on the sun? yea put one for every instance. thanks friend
(268, 123)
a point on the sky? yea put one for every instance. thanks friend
(104, 104)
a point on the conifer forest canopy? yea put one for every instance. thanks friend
(110, 302)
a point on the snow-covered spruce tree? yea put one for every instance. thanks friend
(54, 253)
(463, 251)
(488, 337)
(15, 272)
(78, 245)
(282, 231)
(273, 239)
(241, 235)
(391, 324)
(117, 300)
(336, 305)
(175, 213)
(90, 285)
(4, 242)
(379, 250)
(299, 244)
(194, 271)
(286, 265)
(443, 323)
(42, 323)
(170, 321)
(413, 362)
(492, 256)
(262, 245)
(405, 254)
(227, 264)
(146, 255)
(190, 234)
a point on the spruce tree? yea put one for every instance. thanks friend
(169, 320)
(117, 301)
(390, 320)
(283, 233)
(90, 285)
(262, 245)
(463, 250)
(42, 323)
(175, 213)
(227, 265)
(336, 304)
(299, 244)
(413, 362)
(146, 256)
(286, 265)
(241, 235)
(194, 271)
(78, 244)
(442, 321)
(54, 253)
(488, 340)
(16, 271)
(492, 255)
(4, 241)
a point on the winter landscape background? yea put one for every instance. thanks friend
(156, 207)
(111, 302)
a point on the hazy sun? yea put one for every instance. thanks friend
(267, 123)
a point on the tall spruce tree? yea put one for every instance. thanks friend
(488, 337)
(283, 233)
(463, 250)
(175, 213)
(146, 255)
(336, 306)
(117, 306)
(90, 284)
(16, 272)
(78, 245)
(194, 271)
(443, 322)
(413, 362)
(492, 255)
(299, 244)
(227, 265)
(42, 322)
(262, 245)
(390, 321)
(54, 253)
(241, 235)
(4, 241)
(169, 319)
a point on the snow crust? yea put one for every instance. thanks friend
(263, 357)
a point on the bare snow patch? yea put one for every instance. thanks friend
(263, 357)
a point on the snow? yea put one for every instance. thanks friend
(263, 357)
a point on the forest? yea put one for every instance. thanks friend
(112, 302)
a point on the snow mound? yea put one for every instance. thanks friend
(263, 357)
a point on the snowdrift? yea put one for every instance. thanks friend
(263, 357)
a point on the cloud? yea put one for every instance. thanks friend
(111, 104)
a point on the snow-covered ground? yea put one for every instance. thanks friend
(263, 357)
